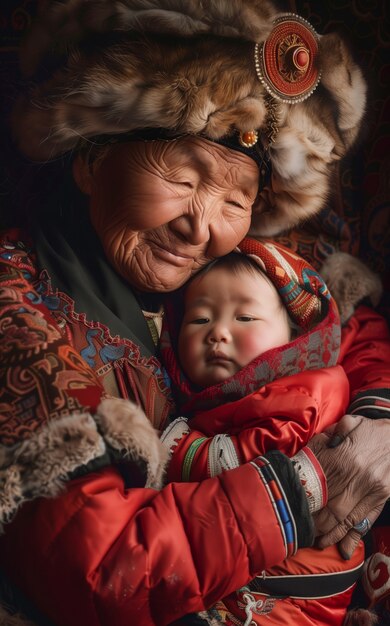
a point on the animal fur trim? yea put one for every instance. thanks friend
(66, 23)
(350, 281)
(40, 465)
(127, 430)
(121, 76)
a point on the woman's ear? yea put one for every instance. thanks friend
(82, 174)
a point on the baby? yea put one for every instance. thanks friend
(254, 369)
(233, 313)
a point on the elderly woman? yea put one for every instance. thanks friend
(96, 541)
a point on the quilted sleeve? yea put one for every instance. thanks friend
(365, 357)
(283, 416)
(109, 555)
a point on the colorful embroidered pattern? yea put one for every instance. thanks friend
(42, 376)
(301, 288)
(54, 361)
(138, 378)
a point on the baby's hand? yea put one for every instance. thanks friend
(126, 428)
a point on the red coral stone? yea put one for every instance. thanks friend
(302, 58)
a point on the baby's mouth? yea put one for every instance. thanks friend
(217, 357)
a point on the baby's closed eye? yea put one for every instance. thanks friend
(199, 320)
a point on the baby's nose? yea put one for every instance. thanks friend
(219, 333)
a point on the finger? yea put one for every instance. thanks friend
(365, 508)
(344, 427)
(333, 522)
(337, 534)
(333, 536)
(324, 521)
(349, 543)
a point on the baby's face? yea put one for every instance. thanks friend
(230, 318)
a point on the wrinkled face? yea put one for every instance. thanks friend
(229, 319)
(164, 209)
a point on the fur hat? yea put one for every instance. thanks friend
(209, 69)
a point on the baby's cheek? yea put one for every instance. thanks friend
(250, 344)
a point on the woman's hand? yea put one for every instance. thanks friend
(356, 461)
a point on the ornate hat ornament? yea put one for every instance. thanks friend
(287, 62)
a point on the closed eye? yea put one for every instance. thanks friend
(236, 204)
(200, 320)
(246, 318)
(184, 183)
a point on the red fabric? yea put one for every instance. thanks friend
(364, 357)
(365, 350)
(282, 415)
(43, 376)
(308, 302)
(306, 403)
(293, 612)
(103, 555)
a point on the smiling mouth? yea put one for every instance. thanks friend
(171, 256)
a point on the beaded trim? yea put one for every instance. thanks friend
(272, 120)
(222, 455)
(174, 433)
(312, 478)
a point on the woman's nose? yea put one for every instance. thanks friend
(192, 228)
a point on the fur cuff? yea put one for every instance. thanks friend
(39, 465)
(130, 434)
(350, 281)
